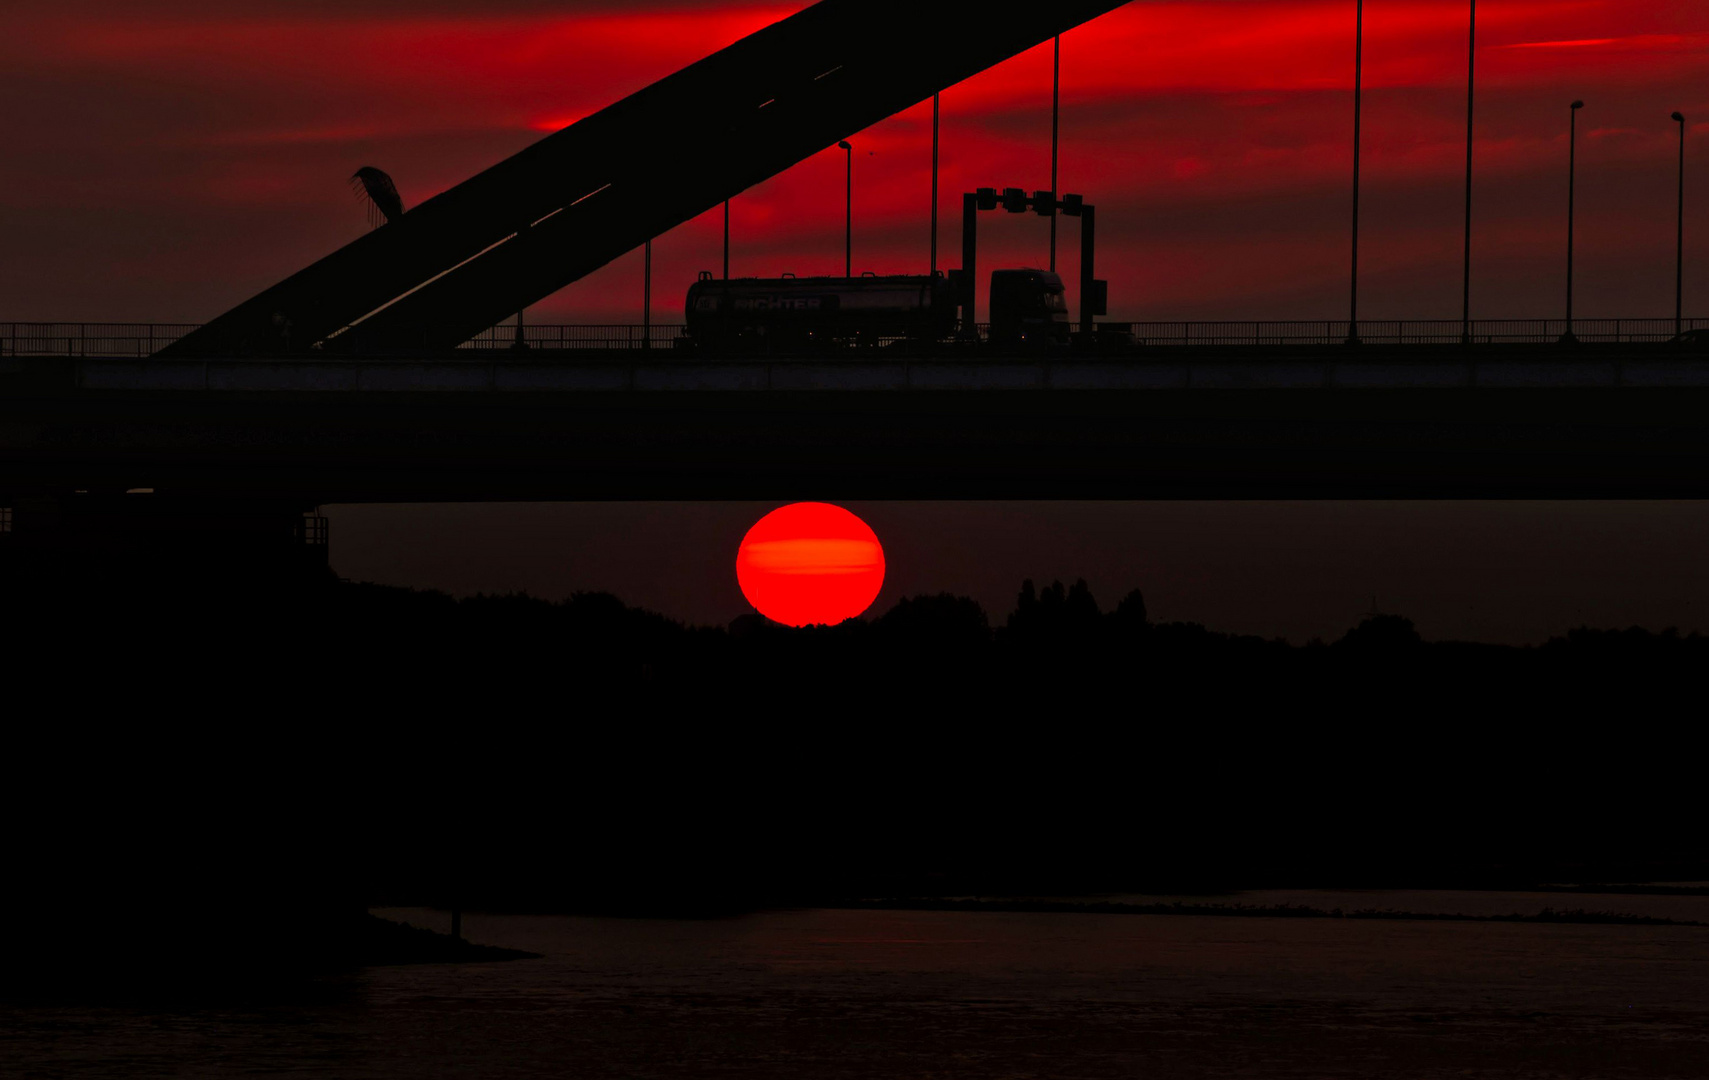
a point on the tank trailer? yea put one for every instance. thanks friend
(1028, 309)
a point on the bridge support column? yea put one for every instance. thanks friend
(1091, 304)
(969, 265)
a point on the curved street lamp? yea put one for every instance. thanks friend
(1679, 264)
(1572, 179)
(848, 209)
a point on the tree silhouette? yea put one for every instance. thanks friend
(936, 623)
(1382, 634)
(1130, 621)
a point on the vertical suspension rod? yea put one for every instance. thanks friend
(1466, 271)
(1358, 105)
(1055, 135)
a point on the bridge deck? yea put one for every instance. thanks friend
(600, 371)
(1629, 421)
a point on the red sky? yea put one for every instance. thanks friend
(166, 160)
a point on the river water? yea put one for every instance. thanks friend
(881, 995)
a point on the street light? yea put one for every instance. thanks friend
(848, 210)
(1679, 265)
(1572, 180)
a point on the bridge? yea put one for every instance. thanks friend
(377, 374)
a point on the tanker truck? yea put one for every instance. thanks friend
(1028, 310)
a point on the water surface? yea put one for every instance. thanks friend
(878, 994)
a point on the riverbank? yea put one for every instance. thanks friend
(85, 952)
(385, 942)
(1256, 911)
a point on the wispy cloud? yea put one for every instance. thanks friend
(1633, 43)
(1214, 135)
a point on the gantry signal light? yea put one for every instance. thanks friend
(1094, 292)
(1017, 201)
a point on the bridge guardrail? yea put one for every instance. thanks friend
(89, 339)
(1400, 331)
(557, 336)
(144, 339)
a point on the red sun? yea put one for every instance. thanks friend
(809, 563)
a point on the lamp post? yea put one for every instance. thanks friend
(1679, 264)
(1572, 181)
(1471, 86)
(1358, 102)
(848, 209)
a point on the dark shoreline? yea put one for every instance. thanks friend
(385, 942)
(1254, 911)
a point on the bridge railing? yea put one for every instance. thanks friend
(143, 339)
(1401, 331)
(558, 336)
(88, 339)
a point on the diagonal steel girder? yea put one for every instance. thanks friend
(475, 254)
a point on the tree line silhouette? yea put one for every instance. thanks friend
(285, 748)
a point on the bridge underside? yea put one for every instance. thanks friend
(318, 448)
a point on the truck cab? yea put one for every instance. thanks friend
(1029, 309)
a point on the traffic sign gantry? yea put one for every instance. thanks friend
(1094, 294)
